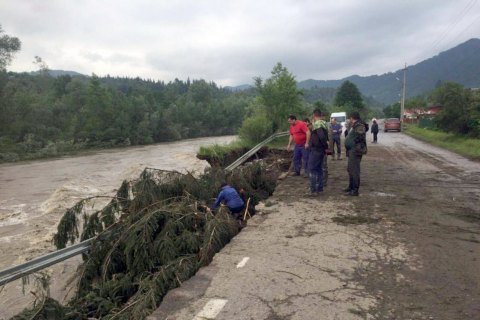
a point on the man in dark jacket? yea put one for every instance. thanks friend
(230, 197)
(356, 146)
(317, 143)
(374, 130)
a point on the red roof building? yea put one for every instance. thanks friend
(415, 113)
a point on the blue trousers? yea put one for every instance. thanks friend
(315, 165)
(336, 143)
(298, 153)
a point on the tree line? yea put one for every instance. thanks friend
(44, 115)
(279, 96)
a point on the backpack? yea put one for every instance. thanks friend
(319, 138)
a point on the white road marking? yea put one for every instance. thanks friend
(211, 309)
(242, 263)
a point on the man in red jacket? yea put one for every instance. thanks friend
(298, 133)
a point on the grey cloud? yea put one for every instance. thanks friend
(92, 56)
(233, 41)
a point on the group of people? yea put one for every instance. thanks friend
(315, 139)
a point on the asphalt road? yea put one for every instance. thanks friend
(407, 248)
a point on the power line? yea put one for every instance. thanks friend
(461, 32)
(454, 22)
(452, 25)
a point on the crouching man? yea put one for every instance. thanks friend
(230, 198)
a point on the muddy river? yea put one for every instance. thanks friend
(34, 196)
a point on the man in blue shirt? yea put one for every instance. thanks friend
(336, 134)
(230, 197)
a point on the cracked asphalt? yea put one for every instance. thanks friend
(407, 248)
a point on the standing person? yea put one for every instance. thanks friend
(347, 128)
(230, 197)
(298, 133)
(328, 151)
(374, 130)
(308, 123)
(336, 134)
(356, 146)
(317, 142)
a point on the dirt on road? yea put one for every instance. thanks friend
(428, 200)
(407, 248)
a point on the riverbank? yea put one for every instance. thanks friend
(35, 194)
(223, 155)
(156, 195)
(11, 153)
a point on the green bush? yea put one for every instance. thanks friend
(223, 155)
(474, 127)
(426, 123)
(9, 157)
(220, 150)
(256, 128)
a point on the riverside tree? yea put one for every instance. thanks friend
(460, 109)
(8, 47)
(350, 99)
(278, 96)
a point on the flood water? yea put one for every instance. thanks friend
(34, 195)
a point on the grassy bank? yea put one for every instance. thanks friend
(27, 151)
(221, 150)
(227, 153)
(462, 145)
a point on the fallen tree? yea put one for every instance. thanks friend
(154, 234)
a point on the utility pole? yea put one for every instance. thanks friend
(402, 103)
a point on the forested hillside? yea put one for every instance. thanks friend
(43, 115)
(460, 64)
(49, 113)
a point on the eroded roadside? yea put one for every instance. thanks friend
(300, 265)
(406, 248)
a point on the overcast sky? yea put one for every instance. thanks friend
(230, 42)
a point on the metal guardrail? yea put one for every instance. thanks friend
(21, 270)
(254, 150)
(24, 269)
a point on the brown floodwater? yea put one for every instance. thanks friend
(34, 196)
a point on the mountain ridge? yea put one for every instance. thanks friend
(459, 64)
